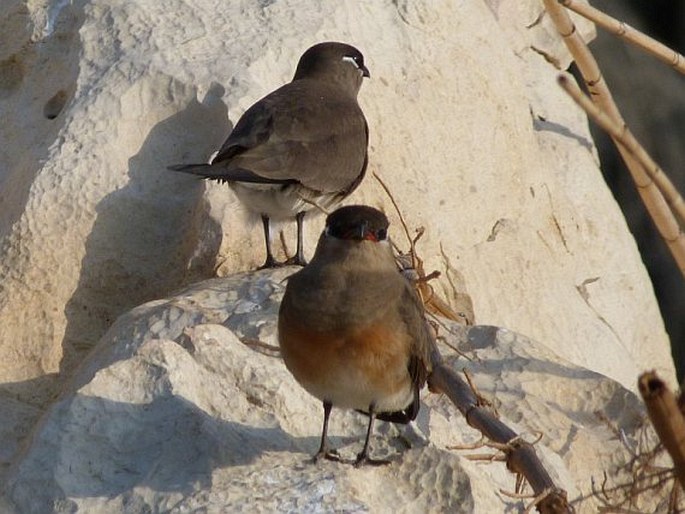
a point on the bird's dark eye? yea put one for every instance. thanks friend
(381, 234)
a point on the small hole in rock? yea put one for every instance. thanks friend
(55, 105)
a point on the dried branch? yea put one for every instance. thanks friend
(481, 400)
(671, 194)
(397, 210)
(628, 33)
(414, 270)
(261, 347)
(643, 481)
(599, 92)
(666, 417)
(539, 499)
(437, 322)
(468, 446)
(520, 455)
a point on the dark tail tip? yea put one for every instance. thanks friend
(187, 168)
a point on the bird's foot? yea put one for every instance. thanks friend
(326, 454)
(270, 262)
(296, 260)
(363, 459)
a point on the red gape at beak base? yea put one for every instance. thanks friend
(366, 236)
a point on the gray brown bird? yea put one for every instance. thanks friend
(351, 327)
(304, 144)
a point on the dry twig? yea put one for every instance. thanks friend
(644, 482)
(414, 269)
(671, 194)
(599, 92)
(520, 455)
(628, 33)
(667, 419)
(261, 347)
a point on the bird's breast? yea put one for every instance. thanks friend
(352, 367)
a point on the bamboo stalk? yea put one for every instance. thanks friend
(628, 33)
(617, 133)
(671, 194)
(667, 419)
(599, 92)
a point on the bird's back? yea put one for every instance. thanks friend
(306, 130)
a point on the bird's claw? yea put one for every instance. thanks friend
(363, 459)
(296, 260)
(326, 454)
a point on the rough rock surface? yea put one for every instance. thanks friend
(651, 97)
(468, 129)
(173, 413)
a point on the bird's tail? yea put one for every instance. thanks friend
(194, 169)
(222, 173)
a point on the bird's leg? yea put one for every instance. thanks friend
(363, 456)
(299, 259)
(324, 451)
(270, 261)
(299, 256)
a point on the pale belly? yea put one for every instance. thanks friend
(281, 202)
(350, 389)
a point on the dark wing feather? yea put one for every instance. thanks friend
(422, 343)
(252, 130)
(305, 131)
(220, 174)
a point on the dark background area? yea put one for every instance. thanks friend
(651, 97)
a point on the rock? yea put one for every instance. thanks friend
(468, 130)
(651, 97)
(173, 413)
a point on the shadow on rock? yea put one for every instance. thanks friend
(96, 447)
(37, 84)
(152, 235)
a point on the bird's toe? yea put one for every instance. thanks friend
(296, 260)
(326, 454)
(364, 460)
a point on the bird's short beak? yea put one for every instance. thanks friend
(365, 72)
(364, 231)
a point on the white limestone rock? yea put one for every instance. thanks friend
(468, 129)
(173, 413)
(467, 125)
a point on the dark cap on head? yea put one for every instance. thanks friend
(357, 222)
(333, 61)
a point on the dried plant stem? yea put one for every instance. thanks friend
(628, 33)
(667, 419)
(520, 455)
(599, 92)
(430, 299)
(397, 209)
(671, 194)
